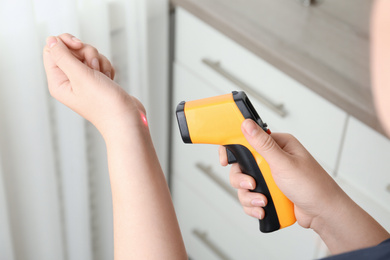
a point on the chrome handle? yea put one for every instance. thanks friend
(202, 236)
(308, 3)
(208, 170)
(216, 66)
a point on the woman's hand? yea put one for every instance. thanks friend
(319, 203)
(295, 171)
(81, 78)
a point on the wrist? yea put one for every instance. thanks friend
(123, 134)
(344, 226)
(333, 212)
(132, 125)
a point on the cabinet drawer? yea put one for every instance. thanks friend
(365, 162)
(313, 120)
(197, 167)
(207, 233)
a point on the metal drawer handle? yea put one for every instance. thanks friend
(202, 236)
(208, 170)
(308, 3)
(388, 188)
(216, 66)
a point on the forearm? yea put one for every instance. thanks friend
(347, 227)
(145, 224)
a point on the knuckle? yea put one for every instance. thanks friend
(291, 138)
(234, 177)
(104, 58)
(232, 180)
(65, 35)
(247, 211)
(106, 65)
(265, 144)
(257, 213)
(91, 50)
(241, 194)
(58, 56)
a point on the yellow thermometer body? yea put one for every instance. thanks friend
(217, 120)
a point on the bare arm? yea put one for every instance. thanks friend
(345, 226)
(145, 225)
(380, 60)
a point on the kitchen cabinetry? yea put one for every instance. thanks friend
(325, 46)
(208, 63)
(306, 113)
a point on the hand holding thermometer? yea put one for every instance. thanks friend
(217, 120)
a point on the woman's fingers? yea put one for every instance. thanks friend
(251, 199)
(95, 60)
(71, 41)
(91, 56)
(239, 180)
(223, 160)
(57, 55)
(252, 202)
(255, 212)
(106, 67)
(88, 54)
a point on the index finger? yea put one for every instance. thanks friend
(62, 58)
(240, 180)
(71, 41)
(223, 159)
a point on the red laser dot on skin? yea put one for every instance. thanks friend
(144, 119)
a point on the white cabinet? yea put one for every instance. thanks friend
(313, 120)
(211, 235)
(365, 167)
(207, 63)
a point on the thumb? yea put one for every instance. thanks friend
(261, 141)
(62, 58)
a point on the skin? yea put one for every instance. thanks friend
(340, 222)
(320, 204)
(380, 61)
(145, 224)
(81, 78)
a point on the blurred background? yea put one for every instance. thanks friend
(55, 198)
(305, 65)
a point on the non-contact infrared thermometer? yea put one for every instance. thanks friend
(217, 120)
